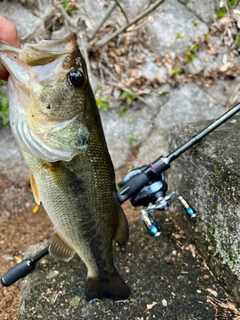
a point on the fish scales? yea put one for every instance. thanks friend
(55, 120)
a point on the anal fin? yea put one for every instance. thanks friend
(122, 233)
(34, 189)
(59, 249)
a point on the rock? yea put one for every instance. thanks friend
(156, 269)
(208, 176)
(28, 25)
(173, 30)
(207, 63)
(206, 11)
(150, 70)
(15, 192)
(12, 164)
(222, 90)
(187, 103)
(123, 133)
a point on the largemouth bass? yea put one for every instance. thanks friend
(55, 121)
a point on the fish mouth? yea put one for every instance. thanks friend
(39, 131)
(47, 50)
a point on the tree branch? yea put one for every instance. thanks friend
(123, 11)
(105, 40)
(101, 22)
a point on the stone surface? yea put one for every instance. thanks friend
(12, 164)
(168, 23)
(122, 133)
(15, 193)
(187, 103)
(208, 176)
(208, 63)
(166, 283)
(206, 11)
(28, 25)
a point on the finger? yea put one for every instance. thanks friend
(9, 35)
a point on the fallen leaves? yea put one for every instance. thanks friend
(226, 305)
(150, 306)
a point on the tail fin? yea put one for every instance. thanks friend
(114, 288)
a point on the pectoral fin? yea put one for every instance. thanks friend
(34, 189)
(59, 249)
(122, 233)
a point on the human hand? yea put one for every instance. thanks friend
(9, 35)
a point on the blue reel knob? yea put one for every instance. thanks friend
(151, 225)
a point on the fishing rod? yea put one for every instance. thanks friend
(144, 186)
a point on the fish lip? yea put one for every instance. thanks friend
(58, 47)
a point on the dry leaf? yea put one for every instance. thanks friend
(213, 292)
(150, 306)
(117, 68)
(17, 259)
(233, 307)
(225, 66)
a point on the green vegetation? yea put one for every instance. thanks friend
(164, 93)
(195, 22)
(69, 7)
(190, 53)
(221, 12)
(3, 106)
(206, 36)
(103, 103)
(123, 111)
(128, 97)
(232, 3)
(237, 40)
(176, 72)
(179, 36)
(4, 109)
(211, 234)
(133, 138)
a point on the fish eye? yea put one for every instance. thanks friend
(76, 78)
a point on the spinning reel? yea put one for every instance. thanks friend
(144, 186)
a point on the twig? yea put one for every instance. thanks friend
(85, 54)
(101, 22)
(123, 11)
(40, 6)
(107, 71)
(105, 40)
(65, 15)
(31, 32)
(117, 85)
(234, 98)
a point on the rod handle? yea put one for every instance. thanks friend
(19, 271)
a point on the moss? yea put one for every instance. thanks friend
(214, 208)
(211, 234)
(230, 255)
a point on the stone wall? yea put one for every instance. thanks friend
(208, 176)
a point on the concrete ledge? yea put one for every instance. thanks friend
(166, 282)
(208, 176)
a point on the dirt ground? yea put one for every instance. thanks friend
(16, 234)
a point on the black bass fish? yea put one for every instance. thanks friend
(55, 121)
